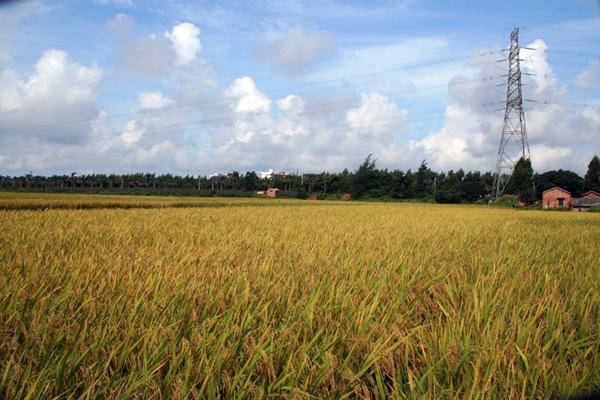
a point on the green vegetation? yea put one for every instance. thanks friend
(521, 181)
(507, 200)
(592, 176)
(567, 180)
(350, 300)
(367, 182)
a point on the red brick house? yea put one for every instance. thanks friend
(272, 192)
(312, 197)
(556, 198)
(561, 198)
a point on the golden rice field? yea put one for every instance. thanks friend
(37, 201)
(324, 300)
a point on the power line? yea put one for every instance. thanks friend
(382, 123)
(339, 104)
(336, 80)
(224, 101)
(286, 88)
(320, 108)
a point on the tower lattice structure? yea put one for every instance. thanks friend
(513, 143)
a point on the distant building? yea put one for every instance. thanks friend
(561, 198)
(345, 196)
(284, 174)
(556, 198)
(312, 197)
(272, 192)
(585, 202)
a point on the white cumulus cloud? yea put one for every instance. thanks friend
(376, 118)
(185, 40)
(153, 101)
(57, 90)
(133, 133)
(291, 104)
(248, 99)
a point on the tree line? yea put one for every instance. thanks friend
(366, 182)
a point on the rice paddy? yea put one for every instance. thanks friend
(347, 300)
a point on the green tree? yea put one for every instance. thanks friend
(424, 178)
(592, 176)
(473, 187)
(565, 179)
(344, 182)
(521, 181)
(250, 180)
(364, 178)
(235, 179)
(398, 185)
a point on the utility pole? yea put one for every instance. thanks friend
(513, 143)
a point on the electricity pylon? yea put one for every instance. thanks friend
(513, 143)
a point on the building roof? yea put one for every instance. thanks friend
(585, 202)
(591, 193)
(557, 188)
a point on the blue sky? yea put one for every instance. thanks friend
(204, 87)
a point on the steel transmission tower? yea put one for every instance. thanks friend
(513, 143)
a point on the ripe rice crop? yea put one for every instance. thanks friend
(34, 201)
(351, 300)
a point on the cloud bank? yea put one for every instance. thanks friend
(191, 120)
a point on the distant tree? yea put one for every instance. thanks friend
(448, 196)
(382, 184)
(454, 186)
(364, 178)
(472, 190)
(344, 182)
(301, 193)
(409, 184)
(398, 185)
(250, 180)
(592, 176)
(521, 181)
(424, 178)
(473, 187)
(565, 179)
(235, 178)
